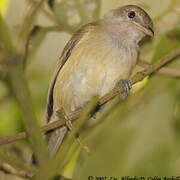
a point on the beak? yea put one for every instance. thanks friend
(150, 31)
(146, 29)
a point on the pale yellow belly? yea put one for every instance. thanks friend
(88, 73)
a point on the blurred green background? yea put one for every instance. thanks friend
(140, 136)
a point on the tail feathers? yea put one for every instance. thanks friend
(55, 139)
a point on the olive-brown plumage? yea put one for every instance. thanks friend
(97, 57)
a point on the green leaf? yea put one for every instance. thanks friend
(167, 44)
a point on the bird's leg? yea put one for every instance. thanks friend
(126, 85)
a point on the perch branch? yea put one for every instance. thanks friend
(171, 72)
(136, 78)
(166, 71)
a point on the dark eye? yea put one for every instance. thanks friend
(131, 14)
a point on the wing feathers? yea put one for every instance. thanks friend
(62, 60)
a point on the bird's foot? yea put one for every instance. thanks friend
(126, 85)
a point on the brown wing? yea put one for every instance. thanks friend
(62, 60)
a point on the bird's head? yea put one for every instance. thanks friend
(132, 16)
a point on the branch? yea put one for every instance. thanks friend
(136, 78)
(21, 92)
(171, 72)
(53, 18)
(8, 169)
(166, 71)
(12, 165)
(28, 22)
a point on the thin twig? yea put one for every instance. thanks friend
(10, 139)
(8, 169)
(166, 71)
(53, 18)
(171, 72)
(18, 84)
(14, 166)
(28, 22)
(136, 78)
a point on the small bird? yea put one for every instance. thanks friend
(99, 56)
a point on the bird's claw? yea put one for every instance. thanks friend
(126, 85)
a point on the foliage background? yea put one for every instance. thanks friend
(140, 137)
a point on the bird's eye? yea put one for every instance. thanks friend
(131, 14)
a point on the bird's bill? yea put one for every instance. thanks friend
(147, 30)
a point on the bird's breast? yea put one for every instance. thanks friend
(94, 67)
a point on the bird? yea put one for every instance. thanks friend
(98, 57)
